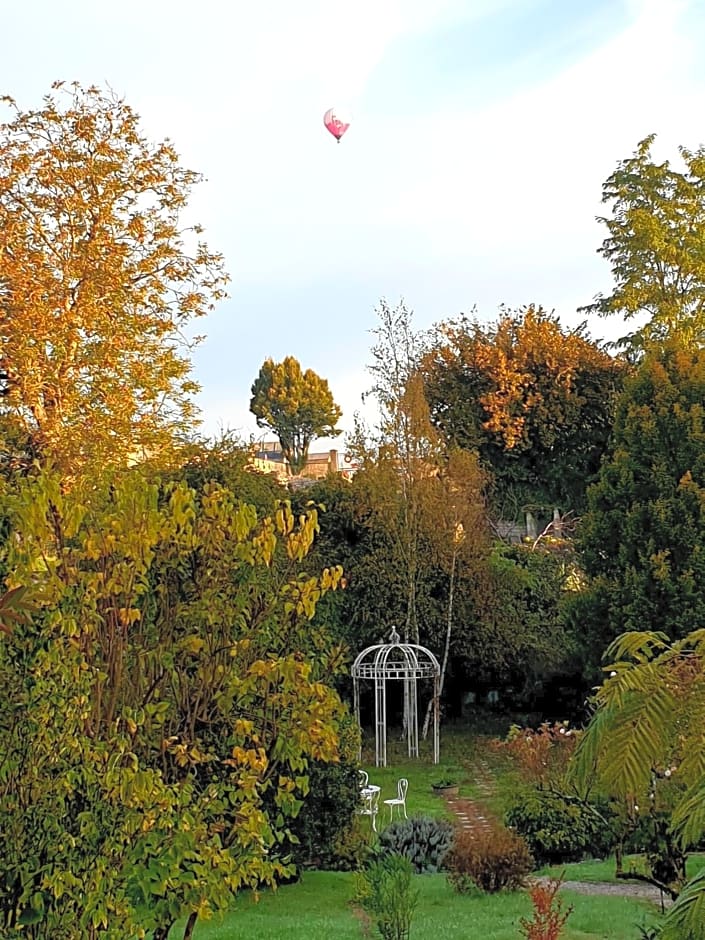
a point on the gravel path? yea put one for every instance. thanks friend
(623, 889)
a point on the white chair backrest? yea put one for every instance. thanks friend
(364, 778)
(402, 787)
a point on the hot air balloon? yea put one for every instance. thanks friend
(336, 122)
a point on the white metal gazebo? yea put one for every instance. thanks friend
(409, 663)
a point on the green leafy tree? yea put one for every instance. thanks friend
(519, 634)
(158, 715)
(227, 460)
(534, 400)
(298, 406)
(100, 276)
(642, 540)
(655, 246)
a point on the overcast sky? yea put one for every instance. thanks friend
(471, 175)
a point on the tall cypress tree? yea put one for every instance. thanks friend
(643, 537)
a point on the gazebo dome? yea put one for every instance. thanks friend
(408, 662)
(395, 660)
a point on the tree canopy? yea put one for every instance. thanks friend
(643, 538)
(298, 406)
(534, 399)
(655, 246)
(100, 276)
(160, 709)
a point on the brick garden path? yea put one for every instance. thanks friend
(473, 814)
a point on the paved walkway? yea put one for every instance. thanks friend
(473, 814)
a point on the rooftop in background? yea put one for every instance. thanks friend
(268, 458)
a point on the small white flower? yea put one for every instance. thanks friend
(667, 772)
(562, 731)
(612, 675)
(636, 808)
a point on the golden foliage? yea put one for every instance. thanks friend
(99, 277)
(531, 369)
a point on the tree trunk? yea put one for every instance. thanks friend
(446, 650)
(190, 924)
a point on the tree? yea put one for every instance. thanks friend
(534, 400)
(227, 460)
(403, 449)
(298, 406)
(158, 715)
(655, 246)
(642, 540)
(100, 279)
(458, 535)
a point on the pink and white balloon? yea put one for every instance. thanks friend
(336, 122)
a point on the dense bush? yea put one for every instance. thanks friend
(326, 819)
(425, 841)
(491, 860)
(559, 831)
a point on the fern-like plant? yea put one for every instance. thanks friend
(646, 733)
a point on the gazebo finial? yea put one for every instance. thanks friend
(394, 637)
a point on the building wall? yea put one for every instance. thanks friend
(268, 458)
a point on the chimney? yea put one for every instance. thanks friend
(333, 461)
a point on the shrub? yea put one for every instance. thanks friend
(559, 831)
(425, 841)
(383, 889)
(548, 914)
(541, 754)
(327, 817)
(491, 860)
(354, 847)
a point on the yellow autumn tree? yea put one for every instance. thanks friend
(99, 276)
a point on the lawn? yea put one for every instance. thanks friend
(602, 870)
(319, 906)
(459, 757)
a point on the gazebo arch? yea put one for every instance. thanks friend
(407, 662)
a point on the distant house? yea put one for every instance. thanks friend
(268, 458)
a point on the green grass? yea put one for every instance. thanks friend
(459, 755)
(319, 906)
(602, 870)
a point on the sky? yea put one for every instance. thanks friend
(470, 177)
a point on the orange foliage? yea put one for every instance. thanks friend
(542, 755)
(99, 278)
(548, 915)
(533, 373)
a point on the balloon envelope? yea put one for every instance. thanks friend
(337, 122)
